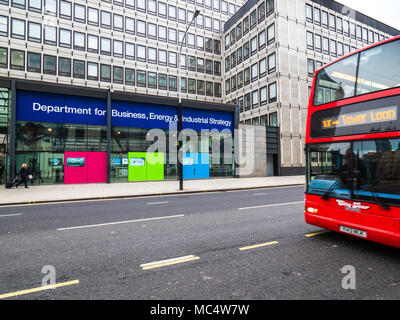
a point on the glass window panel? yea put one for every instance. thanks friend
(34, 62)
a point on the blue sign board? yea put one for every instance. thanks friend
(49, 107)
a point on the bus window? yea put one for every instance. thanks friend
(337, 81)
(379, 68)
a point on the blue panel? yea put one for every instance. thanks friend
(58, 108)
(196, 166)
(47, 107)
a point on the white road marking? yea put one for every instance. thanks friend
(259, 194)
(121, 222)
(160, 202)
(271, 205)
(11, 215)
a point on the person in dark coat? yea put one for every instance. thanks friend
(23, 175)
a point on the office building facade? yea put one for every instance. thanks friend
(271, 50)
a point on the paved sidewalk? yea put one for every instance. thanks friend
(70, 192)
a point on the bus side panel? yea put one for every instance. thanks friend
(382, 229)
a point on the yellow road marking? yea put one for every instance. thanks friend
(259, 245)
(19, 293)
(317, 233)
(168, 262)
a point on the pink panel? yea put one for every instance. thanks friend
(75, 174)
(97, 167)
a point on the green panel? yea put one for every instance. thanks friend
(145, 166)
(155, 166)
(137, 166)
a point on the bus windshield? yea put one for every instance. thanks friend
(372, 70)
(367, 169)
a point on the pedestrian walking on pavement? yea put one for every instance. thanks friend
(23, 175)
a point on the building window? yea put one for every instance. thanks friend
(50, 35)
(141, 78)
(309, 13)
(141, 5)
(272, 92)
(141, 28)
(254, 99)
(217, 89)
(261, 40)
(65, 9)
(261, 12)
(233, 83)
(93, 16)
(317, 16)
(118, 22)
(92, 71)
(3, 57)
(263, 96)
(183, 85)
(152, 55)
(310, 67)
(172, 83)
(254, 72)
(272, 63)
(65, 38)
(118, 49)
(325, 19)
(253, 18)
(192, 86)
(18, 3)
(129, 50)
(18, 28)
(227, 86)
(118, 75)
(141, 53)
(246, 50)
(79, 41)
(34, 5)
(105, 46)
(105, 19)
(332, 22)
(209, 66)
(333, 47)
(318, 44)
(34, 61)
(246, 76)
(152, 79)
(273, 119)
(3, 26)
(162, 33)
(162, 9)
(171, 12)
(50, 7)
(162, 81)
(129, 76)
(217, 68)
(34, 32)
(263, 67)
(79, 69)
(240, 79)
(93, 43)
(310, 40)
(172, 59)
(325, 45)
(105, 73)
(200, 87)
(271, 33)
(64, 67)
(79, 13)
(129, 4)
(49, 64)
(162, 57)
(129, 25)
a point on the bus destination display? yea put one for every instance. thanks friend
(360, 118)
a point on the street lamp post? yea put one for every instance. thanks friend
(180, 165)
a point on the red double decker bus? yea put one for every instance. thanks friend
(353, 145)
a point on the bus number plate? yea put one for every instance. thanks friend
(356, 232)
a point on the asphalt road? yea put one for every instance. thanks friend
(231, 245)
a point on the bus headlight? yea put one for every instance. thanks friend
(312, 210)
